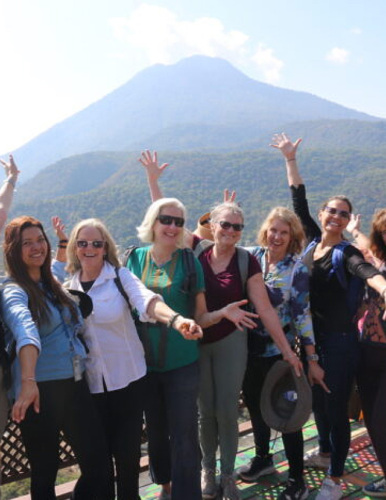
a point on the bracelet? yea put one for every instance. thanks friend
(62, 246)
(28, 379)
(10, 181)
(292, 159)
(63, 241)
(173, 319)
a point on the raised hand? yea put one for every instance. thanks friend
(354, 224)
(229, 196)
(150, 161)
(58, 227)
(10, 167)
(285, 145)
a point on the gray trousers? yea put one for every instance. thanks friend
(222, 367)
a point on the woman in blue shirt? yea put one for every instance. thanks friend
(51, 395)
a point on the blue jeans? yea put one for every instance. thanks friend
(172, 427)
(339, 356)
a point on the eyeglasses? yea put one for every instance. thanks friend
(227, 225)
(94, 244)
(167, 220)
(335, 211)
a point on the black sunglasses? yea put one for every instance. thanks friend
(167, 220)
(335, 211)
(85, 244)
(227, 225)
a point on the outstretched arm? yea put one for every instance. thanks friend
(288, 149)
(233, 312)
(153, 171)
(8, 187)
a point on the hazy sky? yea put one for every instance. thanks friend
(58, 56)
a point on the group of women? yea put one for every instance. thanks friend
(166, 336)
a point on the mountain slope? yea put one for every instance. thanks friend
(198, 179)
(197, 92)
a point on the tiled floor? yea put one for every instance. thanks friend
(361, 467)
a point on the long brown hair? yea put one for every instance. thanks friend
(18, 271)
(377, 243)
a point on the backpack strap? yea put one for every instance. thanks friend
(126, 255)
(201, 246)
(243, 263)
(190, 277)
(338, 263)
(142, 328)
(242, 260)
(122, 291)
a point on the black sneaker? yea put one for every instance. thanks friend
(259, 466)
(294, 490)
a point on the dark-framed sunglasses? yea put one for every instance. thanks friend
(227, 225)
(85, 243)
(167, 220)
(335, 211)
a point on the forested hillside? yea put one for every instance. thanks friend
(117, 191)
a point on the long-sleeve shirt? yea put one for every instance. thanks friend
(56, 340)
(329, 303)
(116, 355)
(288, 290)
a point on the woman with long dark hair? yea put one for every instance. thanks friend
(337, 269)
(51, 394)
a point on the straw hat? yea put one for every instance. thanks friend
(203, 227)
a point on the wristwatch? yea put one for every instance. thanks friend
(312, 357)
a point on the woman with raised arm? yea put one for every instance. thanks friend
(280, 241)
(51, 393)
(371, 375)
(6, 194)
(171, 413)
(336, 271)
(231, 274)
(115, 365)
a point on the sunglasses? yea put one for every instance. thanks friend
(335, 211)
(227, 225)
(167, 220)
(94, 244)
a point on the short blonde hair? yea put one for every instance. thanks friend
(227, 206)
(297, 236)
(145, 231)
(111, 256)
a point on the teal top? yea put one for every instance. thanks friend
(167, 280)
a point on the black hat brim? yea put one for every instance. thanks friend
(278, 412)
